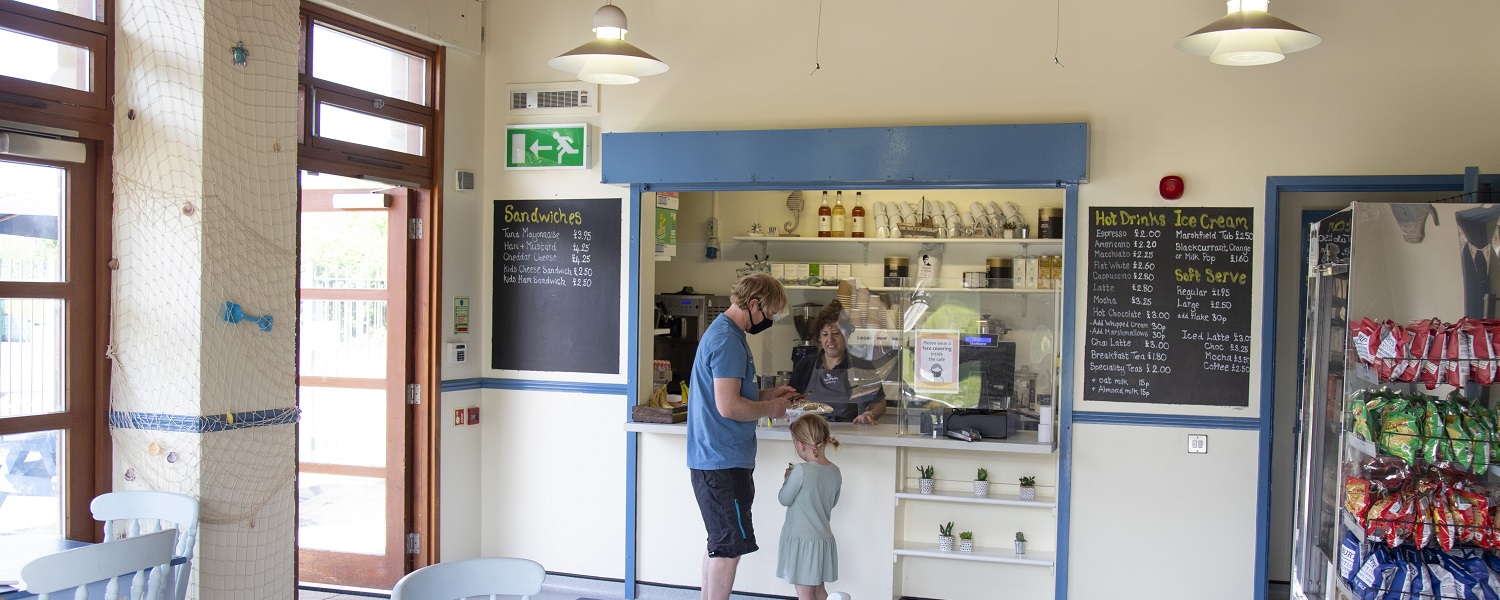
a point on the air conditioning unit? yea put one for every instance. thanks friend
(569, 98)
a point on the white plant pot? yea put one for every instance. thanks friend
(925, 486)
(981, 489)
(965, 545)
(1028, 493)
(945, 543)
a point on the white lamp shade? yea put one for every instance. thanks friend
(609, 59)
(601, 58)
(1247, 38)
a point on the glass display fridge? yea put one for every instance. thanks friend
(1395, 423)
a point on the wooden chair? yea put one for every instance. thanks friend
(142, 562)
(489, 576)
(132, 513)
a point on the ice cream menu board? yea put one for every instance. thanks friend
(557, 285)
(1169, 305)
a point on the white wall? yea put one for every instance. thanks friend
(1393, 89)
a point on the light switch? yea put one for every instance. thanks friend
(1197, 444)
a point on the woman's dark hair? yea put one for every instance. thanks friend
(829, 314)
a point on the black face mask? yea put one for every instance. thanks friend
(761, 326)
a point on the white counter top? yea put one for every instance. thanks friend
(881, 435)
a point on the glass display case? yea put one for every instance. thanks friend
(1396, 425)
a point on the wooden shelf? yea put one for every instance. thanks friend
(980, 554)
(970, 498)
(832, 240)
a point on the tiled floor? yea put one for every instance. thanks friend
(562, 588)
(572, 588)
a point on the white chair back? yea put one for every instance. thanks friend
(132, 513)
(142, 562)
(488, 576)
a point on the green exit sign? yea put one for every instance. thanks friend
(547, 146)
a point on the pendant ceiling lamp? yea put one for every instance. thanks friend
(1247, 36)
(609, 59)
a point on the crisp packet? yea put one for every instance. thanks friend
(1349, 557)
(1357, 498)
(1400, 433)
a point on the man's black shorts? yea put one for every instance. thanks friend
(724, 498)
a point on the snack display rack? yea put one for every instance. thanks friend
(1396, 496)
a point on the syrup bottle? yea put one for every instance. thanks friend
(825, 218)
(858, 216)
(840, 227)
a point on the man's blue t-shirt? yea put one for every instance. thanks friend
(713, 441)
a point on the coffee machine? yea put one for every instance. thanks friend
(995, 361)
(685, 316)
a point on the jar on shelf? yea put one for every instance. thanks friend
(999, 272)
(897, 269)
(1049, 223)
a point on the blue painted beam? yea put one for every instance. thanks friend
(1039, 154)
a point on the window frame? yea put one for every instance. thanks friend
(71, 30)
(340, 157)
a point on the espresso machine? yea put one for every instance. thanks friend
(685, 316)
(994, 360)
(807, 339)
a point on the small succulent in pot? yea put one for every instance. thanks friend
(982, 483)
(1028, 488)
(924, 479)
(945, 537)
(966, 541)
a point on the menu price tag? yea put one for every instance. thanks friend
(1169, 305)
(557, 285)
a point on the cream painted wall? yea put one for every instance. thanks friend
(1357, 104)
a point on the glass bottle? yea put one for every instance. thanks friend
(839, 227)
(825, 218)
(858, 216)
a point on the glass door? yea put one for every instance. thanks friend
(48, 377)
(353, 372)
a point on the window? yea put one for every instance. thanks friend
(53, 57)
(368, 100)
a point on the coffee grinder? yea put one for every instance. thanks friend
(807, 339)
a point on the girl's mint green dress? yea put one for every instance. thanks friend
(809, 556)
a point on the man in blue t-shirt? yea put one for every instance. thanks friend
(724, 404)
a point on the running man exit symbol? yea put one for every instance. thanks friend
(547, 146)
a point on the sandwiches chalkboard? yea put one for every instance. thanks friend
(557, 285)
(1169, 301)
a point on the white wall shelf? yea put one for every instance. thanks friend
(980, 554)
(970, 498)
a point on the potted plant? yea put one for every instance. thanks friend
(982, 483)
(1008, 230)
(1028, 488)
(1020, 543)
(945, 537)
(924, 479)
(966, 541)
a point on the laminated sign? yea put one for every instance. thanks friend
(936, 368)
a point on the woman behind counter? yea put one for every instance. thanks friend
(824, 376)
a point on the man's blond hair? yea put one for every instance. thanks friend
(762, 287)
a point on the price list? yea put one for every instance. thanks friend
(1169, 306)
(557, 267)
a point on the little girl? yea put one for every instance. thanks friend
(809, 557)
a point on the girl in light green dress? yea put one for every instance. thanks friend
(809, 556)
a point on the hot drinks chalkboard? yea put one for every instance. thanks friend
(1169, 306)
(557, 285)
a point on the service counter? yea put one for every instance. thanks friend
(886, 530)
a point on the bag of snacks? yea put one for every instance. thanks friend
(1400, 430)
(1386, 474)
(1357, 498)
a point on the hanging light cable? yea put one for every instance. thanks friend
(609, 59)
(1247, 36)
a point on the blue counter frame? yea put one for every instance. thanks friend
(1053, 156)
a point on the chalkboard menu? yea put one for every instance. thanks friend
(1169, 306)
(557, 285)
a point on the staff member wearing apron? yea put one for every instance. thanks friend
(824, 376)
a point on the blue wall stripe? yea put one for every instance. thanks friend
(202, 424)
(1269, 241)
(635, 207)
(1151, 420)
(1065, 403)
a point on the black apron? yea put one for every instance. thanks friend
(831, 387)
